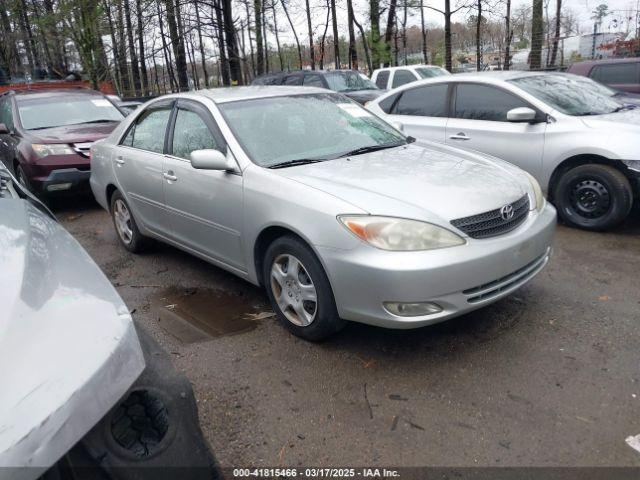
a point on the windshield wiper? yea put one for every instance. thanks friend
(371, 148)
(100, 120)
(293, 163)
(624, 107)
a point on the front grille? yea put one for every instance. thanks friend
(514, 279)
(492, 223)
(82, 148)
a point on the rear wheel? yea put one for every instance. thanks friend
(299, 290)
(593, 197)
(126, 227)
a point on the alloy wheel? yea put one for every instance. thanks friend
(122, 219)
(293, 289)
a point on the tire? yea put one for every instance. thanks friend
(130, 237)
(289, 297)
(22, 178)
(593, 197)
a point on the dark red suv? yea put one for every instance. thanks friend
(619, 73)
(45, 136)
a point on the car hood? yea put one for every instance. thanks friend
(87, 132)
(67, 341)
(629, 119)
(363, 96)
(427, 181)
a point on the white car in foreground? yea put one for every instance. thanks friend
(581, 144)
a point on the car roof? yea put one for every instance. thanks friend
(418, 65)
(232, 94)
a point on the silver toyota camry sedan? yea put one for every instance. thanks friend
(335, 212)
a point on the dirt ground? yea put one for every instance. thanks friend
(547, 377)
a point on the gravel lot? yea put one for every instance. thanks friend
(547, 377)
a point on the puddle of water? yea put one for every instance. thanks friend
(196, 315)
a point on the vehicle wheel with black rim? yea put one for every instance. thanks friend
(299, 290)
(593, 197)
(126, 228)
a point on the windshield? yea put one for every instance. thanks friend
(315, 126)
(568, 95)
(348, 82)
(40, 113)
(430, 72)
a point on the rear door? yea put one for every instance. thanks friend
(422, 111)
(204, 206)
(479, 122)
(138, 165)
(621, 76)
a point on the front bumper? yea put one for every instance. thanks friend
(459, 279)
(66, 179)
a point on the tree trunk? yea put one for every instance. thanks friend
(324, 36)
(275, 31)
(145, 87)
(122, 51)
(56, 47)
(135, 69)
(336, 39)
(166, 52)
(374, 18)
(388, 33)
(225, 76)
(235, 67)
(253, 63)
(367, 56)
(352, 53)
(178, 47)
(478, 31)
(537, 30)
(404, 34)
(293, 30)
(264, 38)
(423, 32)
(447, 36)
(312, 54)
(28, 38)
(556, 38)
(201, 45)
(257, 8)
(509, 36)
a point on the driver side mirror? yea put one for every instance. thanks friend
(211, 159)
(522, 114)
(3, 129)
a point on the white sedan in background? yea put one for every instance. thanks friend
(579, 142)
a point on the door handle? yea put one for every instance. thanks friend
(170, 176)
(120, 160)
(460, 136)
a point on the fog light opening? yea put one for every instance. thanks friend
(58, 186)
(412, 309)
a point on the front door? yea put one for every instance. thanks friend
(204, 206)
(479, 122)
(138, 165)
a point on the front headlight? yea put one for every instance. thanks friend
(44, 150)
(399, 234)
(537, 192)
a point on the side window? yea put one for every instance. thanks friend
(401, 77)
(313, 81)
(616, 73)
(382, 79)
(6, 116)
(293, 80)
(387, 103)
(191, 133)
(481, 102)
(428, 101)
(149, 130)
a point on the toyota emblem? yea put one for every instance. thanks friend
(506, 213)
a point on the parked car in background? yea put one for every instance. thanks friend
(45, 136)
(624, 97)
(619, 73)
(393, 77)
(84, 394)
(336, 213)
(581, 143)
(348, 82)
(125, 106)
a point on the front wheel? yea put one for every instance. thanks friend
(594, 197)
(299, 290)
